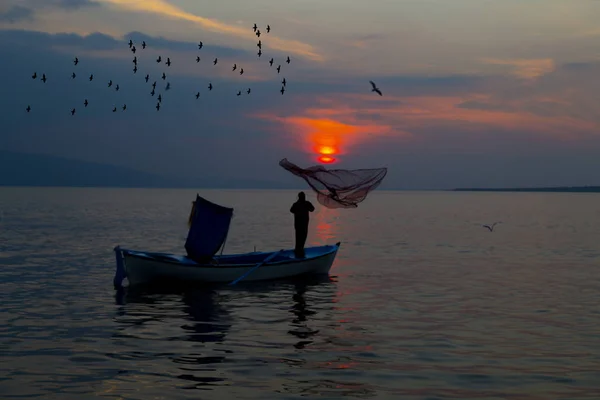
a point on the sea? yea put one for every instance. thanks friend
(422, 301)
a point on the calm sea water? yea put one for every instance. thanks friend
(422, 302)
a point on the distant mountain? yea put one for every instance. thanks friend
(559, 189)
(24, 169)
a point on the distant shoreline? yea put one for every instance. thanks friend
(564, 189)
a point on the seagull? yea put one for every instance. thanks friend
(34, 75)
(248, 91)
(259, 53)
(271, 62)
(215, 62)
(44, 78)
(282, 90)
(159, 59)
(254, 28)
(283, 82)
(76, 61)
(146, 78)
(242, 71)
(375, 88)
(200, 45)
(130, 43)
(259, 44)
(110, 83)
(234, 67)
(117, 88)
(491, 228)
(73, 75)
(85, 103)
(258, 33)
(268, 28)
(133, 49)
(73, 111)
(143, 45)
(154, 85)
(164, 76)
(198, 59)
(160, 98)
(288, 60)
(124, 107)
(210, 86)
(28, 108)
(168, 62)
(152, 92)
(278, 69)
(197, 95)
(157, 106)
(135, 60)
(91, 77)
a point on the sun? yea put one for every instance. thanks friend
(326, 159)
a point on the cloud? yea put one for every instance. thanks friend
(16, 14)
(165, 9)
(524, 68)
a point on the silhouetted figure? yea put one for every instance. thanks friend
(301, 210)
(375, 88)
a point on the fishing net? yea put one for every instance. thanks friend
(338, 188)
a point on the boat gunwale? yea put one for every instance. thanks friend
(127, 253)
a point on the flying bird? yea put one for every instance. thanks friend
(259, 53)
(159, 59)
(278, 69)
(288, 60)
(73, 111)
(160, 98)
(76, 61)
(117, 88)
(239, 93)
(258, 32)
(491, 228)
(124, 107)
(197, 95)
(200, 45)
(242, 71)
(85, 103)
(283, 82)
(154, 85)
(28, 108)
(135, 60)
(215, 62)
(234, 67)
(259, 44)
(44, 78)
(133, 49)
(115, 109)
(152, 92)
(130, 43)
(210, 86)
(135, 69)
(34, 75)
(91, 77)
(168, 62)
(110, 83)
(73, 75)
(268, 28)
(164, 76)
(198, 59)
(375, 88)
(271, 62)
(157, 106)
(143, 45)
(282, 90)
(146, 78)
(254, 28)
(248, 91)
(168, 86)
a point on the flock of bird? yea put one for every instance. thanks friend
(168, 63)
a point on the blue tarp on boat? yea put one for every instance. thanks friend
(208, 230)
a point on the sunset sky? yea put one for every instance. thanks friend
(475, 92)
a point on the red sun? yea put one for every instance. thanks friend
(326, 159)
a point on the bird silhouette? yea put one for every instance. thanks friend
(135, 69)
(210, 86)
(271, 62)
(85, 103)
(130, 43)
(215, 62)
(115, 109)
(34, 75)
(154, 85)
(160, 98)
(288, 60)
(164, 76)
(152, 92)
(73, 75)
(259, 44)
(248, 91)
(168, 86)
(76, 61)
(239, 93)
(258, 32)
(73, 111)
(259, 53)
(242, 71)
(268, 28)
(234, 67)
(159, 59)
(283, 82)
(278, 69)
(117, 88)
(491, 227)
(254, 28)
(124, 107)
(28, 108)
(44, 78)
(200, 45)
(375, 88)
(197, 95)
(282, 90)
(146, 78)
(198, 59)
(135, 60)
(168, 62)
(91, 77)
(143, 45)
(110, 83)
(157, 106)
(133, 49)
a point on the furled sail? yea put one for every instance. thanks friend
(209, 225)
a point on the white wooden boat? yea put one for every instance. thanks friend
(209, 225)
(144, 267)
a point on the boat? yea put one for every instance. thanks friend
(209, 225)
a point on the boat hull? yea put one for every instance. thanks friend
(146, 268)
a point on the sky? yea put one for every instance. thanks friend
(476, 93)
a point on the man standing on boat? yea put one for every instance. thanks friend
(301, 210)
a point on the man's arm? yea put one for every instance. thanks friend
(311, 208)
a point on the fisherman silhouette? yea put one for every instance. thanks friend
(301, 210)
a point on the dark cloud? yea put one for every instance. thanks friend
(64, 4)
(16, 14)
